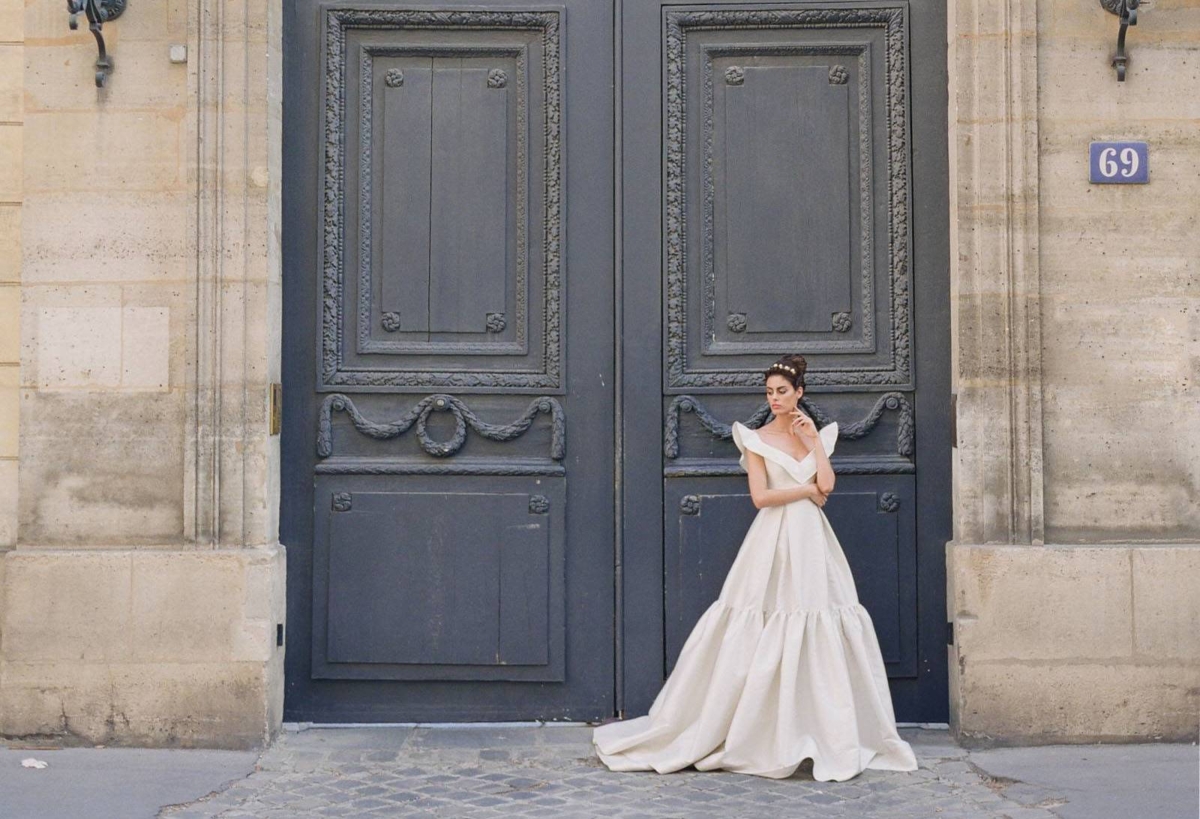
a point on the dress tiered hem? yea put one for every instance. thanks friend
(758, 692)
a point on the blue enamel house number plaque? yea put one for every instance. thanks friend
(1120, 163)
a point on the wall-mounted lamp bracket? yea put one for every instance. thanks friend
(1127, 11)
(98, 12)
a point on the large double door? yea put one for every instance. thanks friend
(536, 257)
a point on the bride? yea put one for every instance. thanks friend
(785, 664)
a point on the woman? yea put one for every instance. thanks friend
(785, 664)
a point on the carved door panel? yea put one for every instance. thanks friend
(448, 362)
(802, 208)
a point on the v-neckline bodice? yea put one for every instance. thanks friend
(748, 439)
(780, 451)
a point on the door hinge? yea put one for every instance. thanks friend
(275, 411)
(954, 420)
(950, 633)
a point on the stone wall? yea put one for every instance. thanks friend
(141, 584)
(1120, 273)
(1076, 330)
(141, 601)
(12, 37)
(108, 282)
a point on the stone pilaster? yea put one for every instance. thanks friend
(996, 289)
(234, 106)
(12, 111)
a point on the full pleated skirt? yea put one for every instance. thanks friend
(783, 666)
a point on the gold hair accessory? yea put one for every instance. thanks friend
(778, 366)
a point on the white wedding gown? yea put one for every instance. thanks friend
(783, 666)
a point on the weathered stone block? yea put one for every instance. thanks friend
(67, 605)
(1110, 475)
(186, 606)
(1166, 602)
(103, 347)
(143, 77)
(1077, 80)
(1025, 603)
(8, 517)
(12, 78)
(1043, 662)
(127, 150)
(143, 237)
(78, 347)
(9, 410)
(102, 467)
(1009, 703)
(35, 699)
(191, 705)
(10, 325)
(1162, 261)
(206, 606)
(10, 242)
(11, 158)
(12, 21)
(1071, 135)
(181, 654)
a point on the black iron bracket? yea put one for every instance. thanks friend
(98, 12)
(1127, 11)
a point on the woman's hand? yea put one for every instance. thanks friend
(803, 427)
(816, 495)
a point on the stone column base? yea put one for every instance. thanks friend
(1074, 644)
(142, 647)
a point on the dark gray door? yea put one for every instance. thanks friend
(508, 485)
(784, 189)
(448, 360)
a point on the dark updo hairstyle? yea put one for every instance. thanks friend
(791, 367)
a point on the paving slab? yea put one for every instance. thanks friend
(112, 783)
(1089, 781)
(550, 770)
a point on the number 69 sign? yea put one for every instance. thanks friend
(1120, 163)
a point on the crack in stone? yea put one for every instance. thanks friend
(997, 784)
(167, 810)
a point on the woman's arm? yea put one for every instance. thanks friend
(825, 477)
(756, 470)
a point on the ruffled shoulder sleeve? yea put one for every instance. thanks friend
(743, 436)
(829, 435)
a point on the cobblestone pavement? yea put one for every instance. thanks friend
(551, 771)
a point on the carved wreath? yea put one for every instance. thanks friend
(419, 415)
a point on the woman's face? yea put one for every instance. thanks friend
(781, 395)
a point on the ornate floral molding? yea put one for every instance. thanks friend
(419, 414)
(888, 402)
